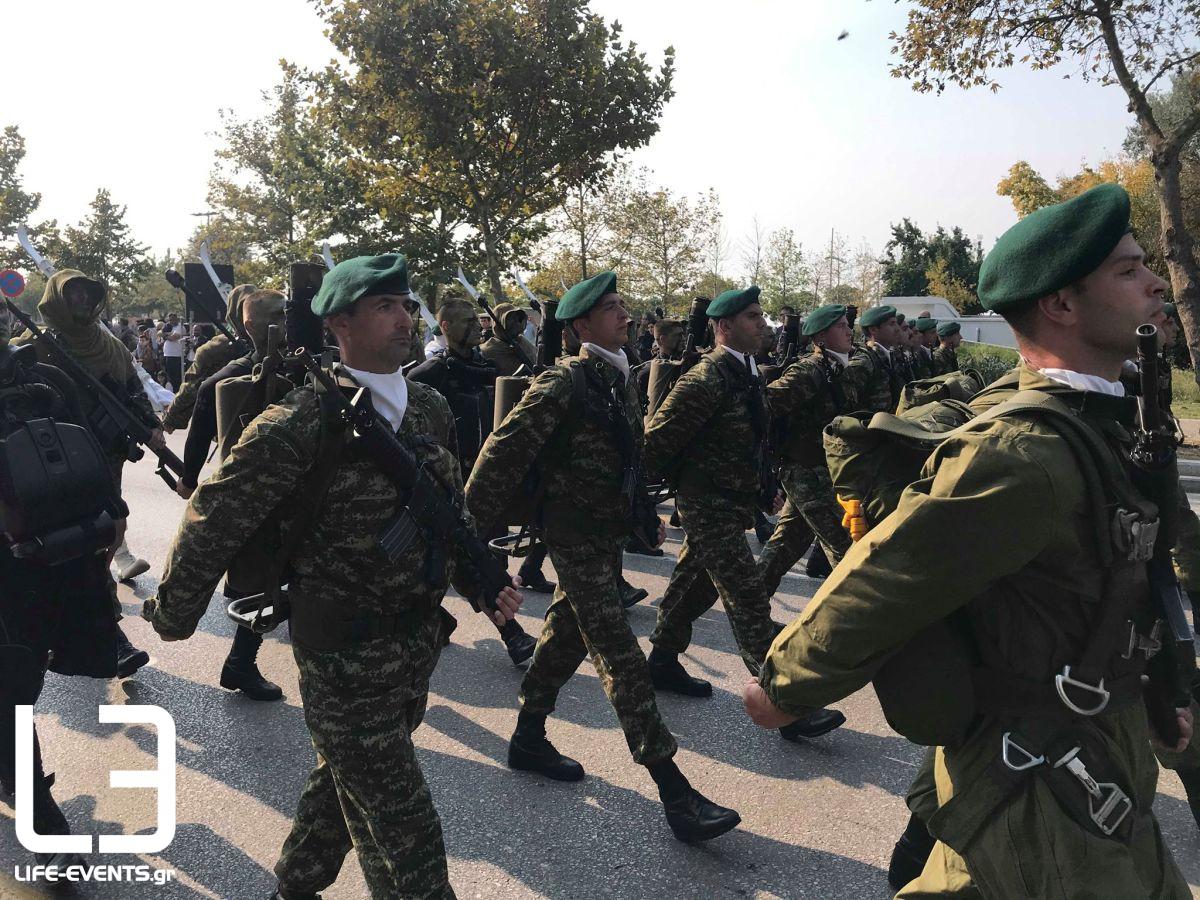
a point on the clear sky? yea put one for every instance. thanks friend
(785, 121)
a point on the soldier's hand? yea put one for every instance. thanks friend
(167, 429)
(1186, 723)
(157, 441)
(760, 708)
(184, 490)
(508, 601)
(776, 504)
(661, 536)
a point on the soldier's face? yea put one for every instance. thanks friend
(745, 331)
(837, 337)
(516, 324)
(952, 341)
(606, 324)
(670, 340)
(80, 302)
(886, 334)
(377, 334)
(461, 327)
(1116, 298)
(929, 338)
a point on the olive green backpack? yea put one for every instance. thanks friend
(925, 688)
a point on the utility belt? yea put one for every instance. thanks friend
(320, 627)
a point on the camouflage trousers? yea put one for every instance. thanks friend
(586, 619)
(361, 706)
(716, 561)
(811, 508)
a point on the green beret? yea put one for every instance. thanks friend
(352, 279)
(579, 300)
(926, 324)
(1169, 310)
(822, 317)
(948, 328)
(731, 303)
(1053, 247)
(876, 315)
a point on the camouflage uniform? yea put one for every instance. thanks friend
(922, 363)
(585, 530)
(211, 357)
(809, 393)
(872, 381)
(366, 633)
(945, 361)
(708, 418)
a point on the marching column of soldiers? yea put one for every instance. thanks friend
(1007, 564)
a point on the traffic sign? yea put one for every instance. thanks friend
(12, 283)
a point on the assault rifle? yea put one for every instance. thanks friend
(551, 347)
(240, 345)
(697, 333)
(791, 338)
(111, 419)
(428, 504)
(1173, 668)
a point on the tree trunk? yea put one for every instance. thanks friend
(583, 254)
(1178, 248)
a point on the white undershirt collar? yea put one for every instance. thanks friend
(618, 360)
(389, 393)
(1081, 382)
(747, 361)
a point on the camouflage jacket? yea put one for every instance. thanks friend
(212, 356)
(704, 434)
(872, 382)
(921, 363)
(339, 573)
(809, 393)
(505, 357)
(945, 361)
(579, 461)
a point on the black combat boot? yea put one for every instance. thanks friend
(668, 674)
(910, 853)
(240, 672)
(636, 545)
(763, 529)
(674, 520)
(129, 657)
(518, 643)
(535, 581)
(1191, 785)
(818, 563)
(630, 595)
(691, 815)
(813, 725)
(530, 751)
(49, 819)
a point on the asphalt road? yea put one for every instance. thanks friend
(818, 820)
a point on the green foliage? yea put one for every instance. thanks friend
(950, 257)
(16, 204)
(103, 247)
(784, 274)
(487, 111)
(990, 361)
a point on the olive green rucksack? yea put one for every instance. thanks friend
(961, 386)
(925, 688)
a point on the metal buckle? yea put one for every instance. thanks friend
(1007, 744)
(1113, 803)
(1061, 682)
(1135, 536)
(1148, 644)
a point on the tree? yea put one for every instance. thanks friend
(784, 271)
(943, 284)
(868, 274)
(666, 246)
(103, 247)
(16, 204)
(492, 110)
(1133, 43)
(753, 251)
(846, 294)
(904, 261)
(1027, 189)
